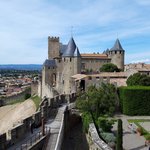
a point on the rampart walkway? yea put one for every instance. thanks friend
(55, 127)
(52, 124)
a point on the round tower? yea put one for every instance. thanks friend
(116, 53)
(71, 66)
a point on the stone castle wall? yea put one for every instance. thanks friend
(94, 64)
(46, 109)
(34, 88)
(13, 98)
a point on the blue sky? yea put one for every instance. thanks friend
(26, 24)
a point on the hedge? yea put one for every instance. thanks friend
(135, 100)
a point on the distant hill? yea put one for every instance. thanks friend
(21, 66)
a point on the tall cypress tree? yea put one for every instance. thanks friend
(119, 136)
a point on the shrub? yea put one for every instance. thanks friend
(108, 137)
(147, 137)
(105, 124)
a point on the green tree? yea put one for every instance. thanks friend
(109, 67)
(105, 124)
(119, 136)
(98, 101)
(138, 79)
(86, 119)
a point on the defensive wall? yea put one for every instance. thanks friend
(96, 143)
(47, 108)
(10, 99)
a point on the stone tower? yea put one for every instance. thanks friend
(48, 78)
(72, 65)
(53, 47)
(116, 53)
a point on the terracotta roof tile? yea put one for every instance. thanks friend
(101, 56)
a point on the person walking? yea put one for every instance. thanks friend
(31, 126)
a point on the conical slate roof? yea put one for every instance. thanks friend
(49, 63)
(70, 48)
(77, 53)
(117, 46)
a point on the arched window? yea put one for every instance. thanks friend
(54, 79)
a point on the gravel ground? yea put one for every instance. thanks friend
(131, 141)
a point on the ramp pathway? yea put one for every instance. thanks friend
(54, 125)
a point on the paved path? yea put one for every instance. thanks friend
(55, 127)
(131, 141)
(53, 124)
(26, 138)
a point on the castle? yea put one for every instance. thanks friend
(64, 61)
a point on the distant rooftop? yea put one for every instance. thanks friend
(99, 56)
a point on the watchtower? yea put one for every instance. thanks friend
(116, 53)
(53, 47)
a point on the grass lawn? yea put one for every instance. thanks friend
(146, 134)
(36, 100)
(16, 101)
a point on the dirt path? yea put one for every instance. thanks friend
(12, 114)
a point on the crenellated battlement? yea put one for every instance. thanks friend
(52, 38)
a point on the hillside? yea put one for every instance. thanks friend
(21, 66)
(10, 115)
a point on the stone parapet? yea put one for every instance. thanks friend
(3, 141)
(96, 141)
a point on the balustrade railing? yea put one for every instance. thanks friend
(33, 139)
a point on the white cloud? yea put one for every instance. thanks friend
(25, 25)
(147, 60)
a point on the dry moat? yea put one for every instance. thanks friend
(75, 138)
